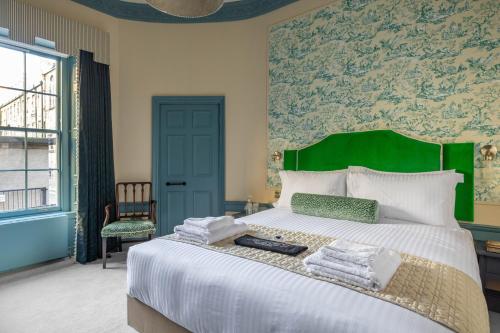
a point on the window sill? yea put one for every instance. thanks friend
(34, 217)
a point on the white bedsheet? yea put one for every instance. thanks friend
(207, 291)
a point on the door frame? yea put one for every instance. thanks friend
(157, 101)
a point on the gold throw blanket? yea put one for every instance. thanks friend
(436, 291)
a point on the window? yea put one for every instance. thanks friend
(30, 131)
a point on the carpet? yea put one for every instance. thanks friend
(67, 298)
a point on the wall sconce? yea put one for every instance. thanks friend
(489, 152)
(276, 156)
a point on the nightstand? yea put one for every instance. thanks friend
(489, 269)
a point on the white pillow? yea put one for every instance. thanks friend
(315, 182)
(424, 197)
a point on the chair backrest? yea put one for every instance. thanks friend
(133, 200)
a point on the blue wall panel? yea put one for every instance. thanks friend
(33, 240)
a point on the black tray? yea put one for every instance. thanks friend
(269, 245)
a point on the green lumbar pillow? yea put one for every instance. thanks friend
(335, 207)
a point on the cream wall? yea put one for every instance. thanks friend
(227, 59)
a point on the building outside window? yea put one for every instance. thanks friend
(30, 131)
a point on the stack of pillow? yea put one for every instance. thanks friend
(424, 197)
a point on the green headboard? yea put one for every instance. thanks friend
(385, 150)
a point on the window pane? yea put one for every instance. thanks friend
(11, 68)
(34, 107)
(43, 188)
(11, 108)
(42, 150)
(12, 190)
(41, 74)
(41, 111)
(12, 153)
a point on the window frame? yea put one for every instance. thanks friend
(64, 118)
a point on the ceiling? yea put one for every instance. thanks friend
(138, 10)
(144, 1)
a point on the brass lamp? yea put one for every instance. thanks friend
(276, 156)
(489, 152)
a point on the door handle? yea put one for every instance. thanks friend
(176, 184)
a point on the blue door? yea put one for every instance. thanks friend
(189, 175)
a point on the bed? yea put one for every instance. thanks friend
(177, 287)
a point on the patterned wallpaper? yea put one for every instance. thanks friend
(427, 69)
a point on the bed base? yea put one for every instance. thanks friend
(147, 320)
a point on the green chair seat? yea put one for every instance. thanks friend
(129, 228)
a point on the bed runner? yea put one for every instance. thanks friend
(436, 291)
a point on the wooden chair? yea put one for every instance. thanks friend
(135, 214)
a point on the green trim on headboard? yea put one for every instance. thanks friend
(386, 150)
(460, 156)
(290, 160)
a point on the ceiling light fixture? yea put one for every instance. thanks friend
(187, 8)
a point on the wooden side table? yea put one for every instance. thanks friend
(489, 269)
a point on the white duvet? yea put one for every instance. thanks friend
(207, 291)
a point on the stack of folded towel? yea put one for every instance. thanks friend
(209, 230)
(366, 266)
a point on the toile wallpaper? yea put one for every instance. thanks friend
(427, 69)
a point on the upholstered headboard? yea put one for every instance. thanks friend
(386, 150)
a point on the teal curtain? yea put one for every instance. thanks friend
(96, 179)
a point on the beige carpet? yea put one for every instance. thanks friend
(71, 298)
(67, 298)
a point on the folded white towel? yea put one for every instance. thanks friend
(188, 236)
(374, 276)
(208, 237)
(210, 223)
(347, 267)
(342, 276)
(367, 266)
(344, 245)
(357, 253)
